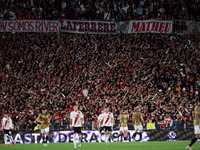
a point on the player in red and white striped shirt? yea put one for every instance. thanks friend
(108, 121)
(76, 123)
(6, 128)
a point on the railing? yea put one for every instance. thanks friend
(91, 125)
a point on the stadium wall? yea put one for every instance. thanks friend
(26, 137)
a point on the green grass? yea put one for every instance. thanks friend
(165, 145)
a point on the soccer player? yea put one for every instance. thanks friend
(101, 125)
(196, 125)
(44, 118)
(123, 125)
(6, 128)
(76, 123)
(108, 120)
(138, 120)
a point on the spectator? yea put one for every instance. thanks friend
(168, 121)
(180, 124)
(175, 124)
(150, 125)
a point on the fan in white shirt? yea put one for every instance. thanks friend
(76, 123)
(7, 125)
(101, 125)
(108, 121)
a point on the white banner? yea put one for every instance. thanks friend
(193, 27)
(186, 27)
(101, 27)
(77, 26)
(150, 26)
(29, 26)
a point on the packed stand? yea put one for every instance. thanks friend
(118, 10)
(158, 72)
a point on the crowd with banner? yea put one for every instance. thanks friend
(101, 27)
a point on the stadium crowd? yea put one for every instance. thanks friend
(158, 72)
(100, 9)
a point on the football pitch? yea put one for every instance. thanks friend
(164, 145)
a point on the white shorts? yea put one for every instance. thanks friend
(196, 129)
(123, 129)
(45, 130)
(139, 127)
